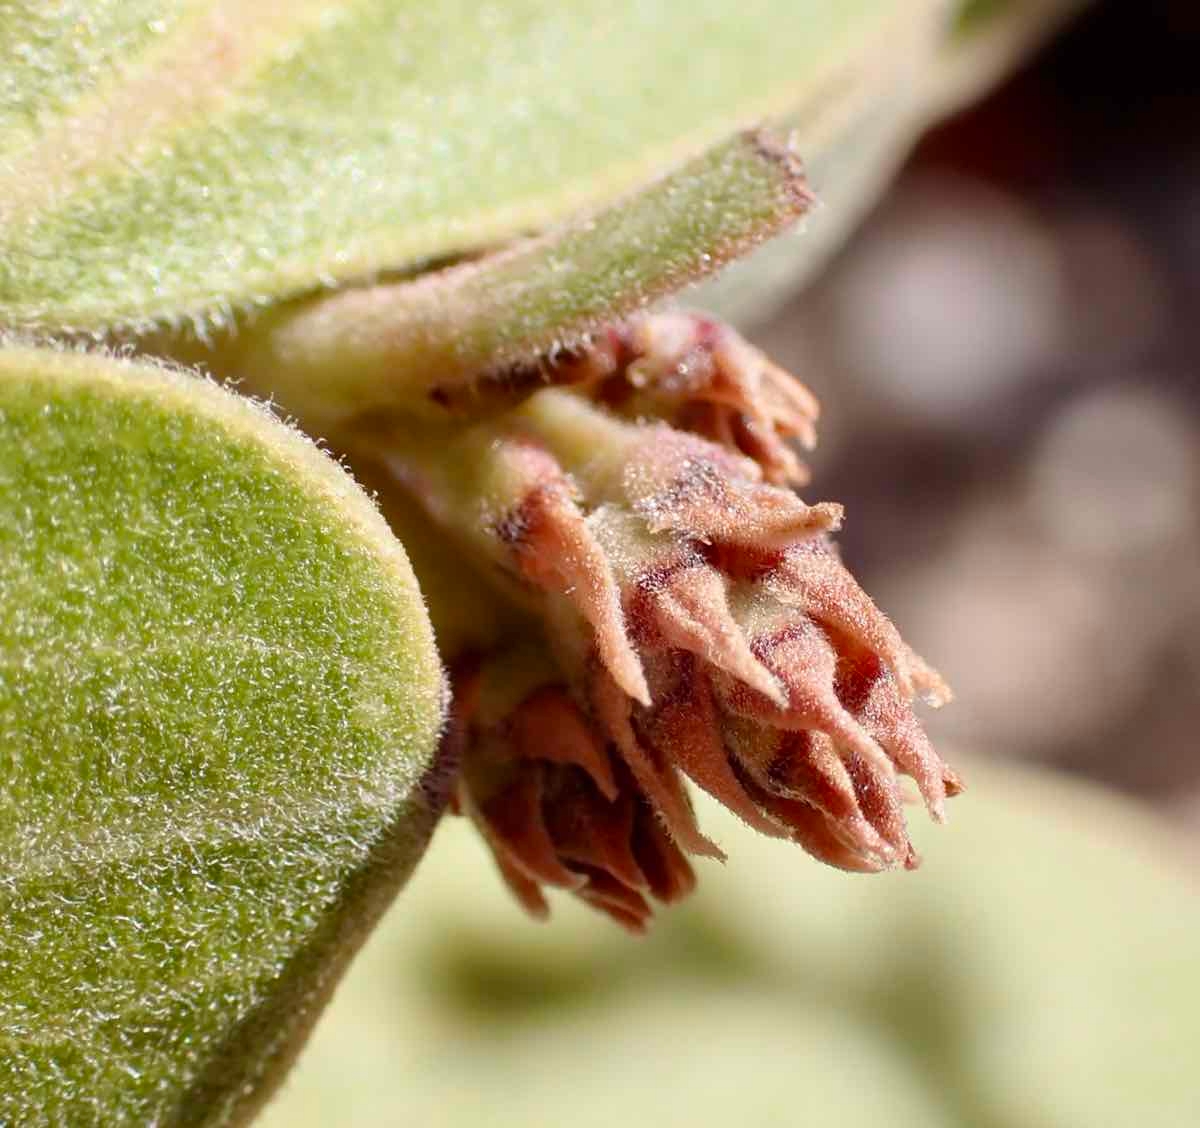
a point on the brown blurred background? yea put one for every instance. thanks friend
(1008, 356)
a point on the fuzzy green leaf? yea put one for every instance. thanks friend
(181, 157)
(219, 704)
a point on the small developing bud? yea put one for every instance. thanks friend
(697, 620)
(698, 375)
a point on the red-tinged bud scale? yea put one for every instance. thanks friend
(699, 626)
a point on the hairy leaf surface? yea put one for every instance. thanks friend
(219, 700)
(179, 157)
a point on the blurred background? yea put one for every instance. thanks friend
(1007, 353)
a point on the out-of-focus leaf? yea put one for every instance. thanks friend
(989, 39)
(219, 701)
(169, 158)
(1039, 969)
(851, 160)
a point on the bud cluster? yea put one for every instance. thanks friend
(697, 624)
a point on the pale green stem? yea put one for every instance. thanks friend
(468, 484)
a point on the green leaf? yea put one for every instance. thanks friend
(468, 340)
(181, 158)
(219, 705)
(1039, 969)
